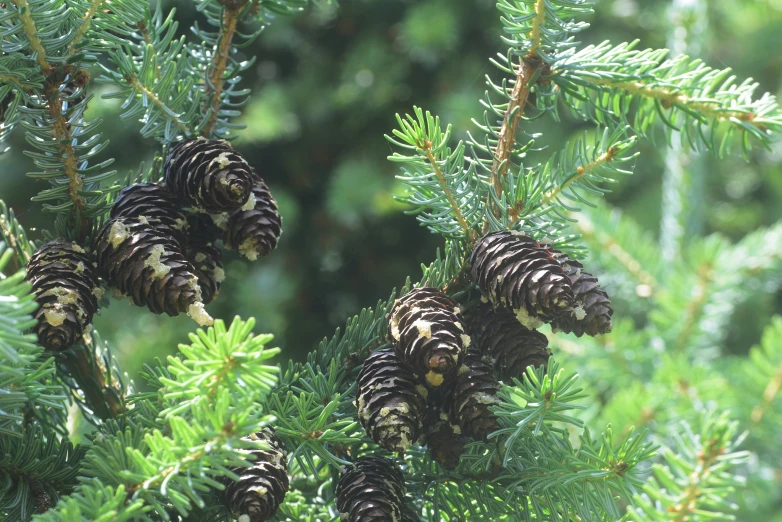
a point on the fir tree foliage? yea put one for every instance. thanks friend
(166, 454)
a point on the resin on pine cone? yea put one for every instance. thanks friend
(206, 258)
(156, 204)
(254, 229)
(208, 175)
(66, 287)
(516, 271)
(262, 486)
(429, 333)
(474, 389)
(150, 268)
(510, 345)
(390, 403)
(592, 312)
(371, 489)
(443, 436)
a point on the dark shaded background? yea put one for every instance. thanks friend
(326, 86)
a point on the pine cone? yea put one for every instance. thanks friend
(390, 403)
(155, 204)
(443, 436)
(515, 271)
(474, 390)
(429, 333)
(509, 344)
(208, 175)
(254, 229)
(66, 287)
(372, 489)
(261, 488)
(592, 312)
(150, 268)
(206, 258)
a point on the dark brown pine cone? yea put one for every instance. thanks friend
(254, 229)
(371, 489)
(443, 436)
(208, 175)
(206, 258)
(261, 488)
(390, 403)
(510, 345)
(148, 267)
(155, 204)
(592, 312)
(473, 390)
(429, 333)
(516, 271)
(66, 287)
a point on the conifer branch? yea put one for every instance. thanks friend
(580, 172)
(769, 394)
(228, 25)
(537, 24)
(427, 147)
(704, 274)
(157, 102)
(607, 243)
(687, 502)
(669, 97)
(23, 8)
(85, 25)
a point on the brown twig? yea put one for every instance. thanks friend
(706, 458)
(219, 62)
(527, 68)
(28, 24)
(580, 172)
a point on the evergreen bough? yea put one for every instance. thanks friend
(166, 454)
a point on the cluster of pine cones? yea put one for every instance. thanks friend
(436, 382)
(159, 247)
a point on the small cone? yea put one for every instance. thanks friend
(592, 312)
(389, 401)
(208, 175)
(474, 390)
(261, 488)
(155, 204)
(149, 268)
(66, 287)
(429, 333)
(516, 271)
(254, 231)
(371, 489)
(509, 344)
(443, 437)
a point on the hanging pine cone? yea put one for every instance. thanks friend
(66, 287)
(371, 489)
(261, 488)
(474, 390)
(155, 204)
(148, 267)
(208, 175)
(509, 344)
(592, 312)
(254, 229)
(206, 258)
(515, 271)
(443, 436)
(389, 401)
(429, 333)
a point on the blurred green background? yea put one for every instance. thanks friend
(326, 87)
